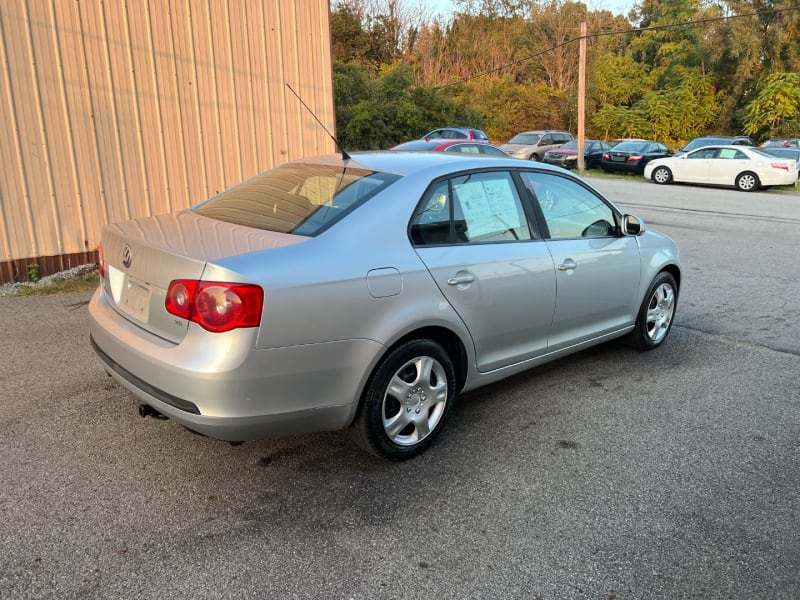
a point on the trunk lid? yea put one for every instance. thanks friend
(143, 256)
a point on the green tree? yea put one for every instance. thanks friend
(777, 104)
(392, 110)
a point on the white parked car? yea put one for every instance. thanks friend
(746, 169)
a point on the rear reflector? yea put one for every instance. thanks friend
(101, 262)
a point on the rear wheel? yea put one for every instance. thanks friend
(747, 182)
(655, 314)
(534, 157)
(406, 402)
(662, 175)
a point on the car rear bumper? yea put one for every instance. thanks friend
(230, 390)
(623, 167)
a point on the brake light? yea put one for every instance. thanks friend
(780, 166)
(101, 262)
(606, 156)
(634, 158)
(215, 306)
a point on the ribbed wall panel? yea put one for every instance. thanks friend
(113, 109)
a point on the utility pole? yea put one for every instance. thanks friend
(582, 98)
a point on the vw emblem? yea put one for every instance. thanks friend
(127, 256)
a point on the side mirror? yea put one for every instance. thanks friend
(632, 225)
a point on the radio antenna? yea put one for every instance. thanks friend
(345, 155)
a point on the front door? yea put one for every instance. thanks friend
(597, 269)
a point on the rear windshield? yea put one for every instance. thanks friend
(525, 138)
(303, 199)
(631, 146)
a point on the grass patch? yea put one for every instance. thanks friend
(79, 279)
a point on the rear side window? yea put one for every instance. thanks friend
(479, 207)
(303, 199)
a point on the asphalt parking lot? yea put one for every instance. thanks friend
(611, 474)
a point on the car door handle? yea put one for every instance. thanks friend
(461, 279)
(568, 265)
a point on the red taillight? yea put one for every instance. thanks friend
(101, 262)
(606, 157)
(780, 166)
(634, 158)
(215, 306)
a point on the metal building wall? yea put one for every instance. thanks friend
(111, 109)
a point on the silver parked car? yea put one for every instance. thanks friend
(532, 145)
(367, 293)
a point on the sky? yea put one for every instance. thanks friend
(621, 7)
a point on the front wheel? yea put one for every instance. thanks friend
(406, 402)
(656, 313)
(534, 158)
(662, 175)
(747, 182)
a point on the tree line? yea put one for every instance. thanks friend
(670, 70)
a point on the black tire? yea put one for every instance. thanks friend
(400, 428)
(747, 182)
(656, 313)
(661, 175)
(534, 158)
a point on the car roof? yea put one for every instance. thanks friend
(544, 131)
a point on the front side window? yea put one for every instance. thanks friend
(570, 210)
(479, 207)
(303, 199)
(703, 153)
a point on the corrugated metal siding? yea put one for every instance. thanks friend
(113, 109)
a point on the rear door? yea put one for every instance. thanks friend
(475, 238)
(728, 164)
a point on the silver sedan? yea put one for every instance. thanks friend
(366, 292)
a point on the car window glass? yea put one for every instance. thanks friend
(480, 207)
(731, 153)
(304, 199)
(488, 149)
(465, 148)
(703, 153)
(546, 140)
(570, 210)
(525, 138)
(434, 135)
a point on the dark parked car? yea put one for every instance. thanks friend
(462, 146)
(631, 157)
(567, 155)
(456, 133)
(781, 143)
(716, 140)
